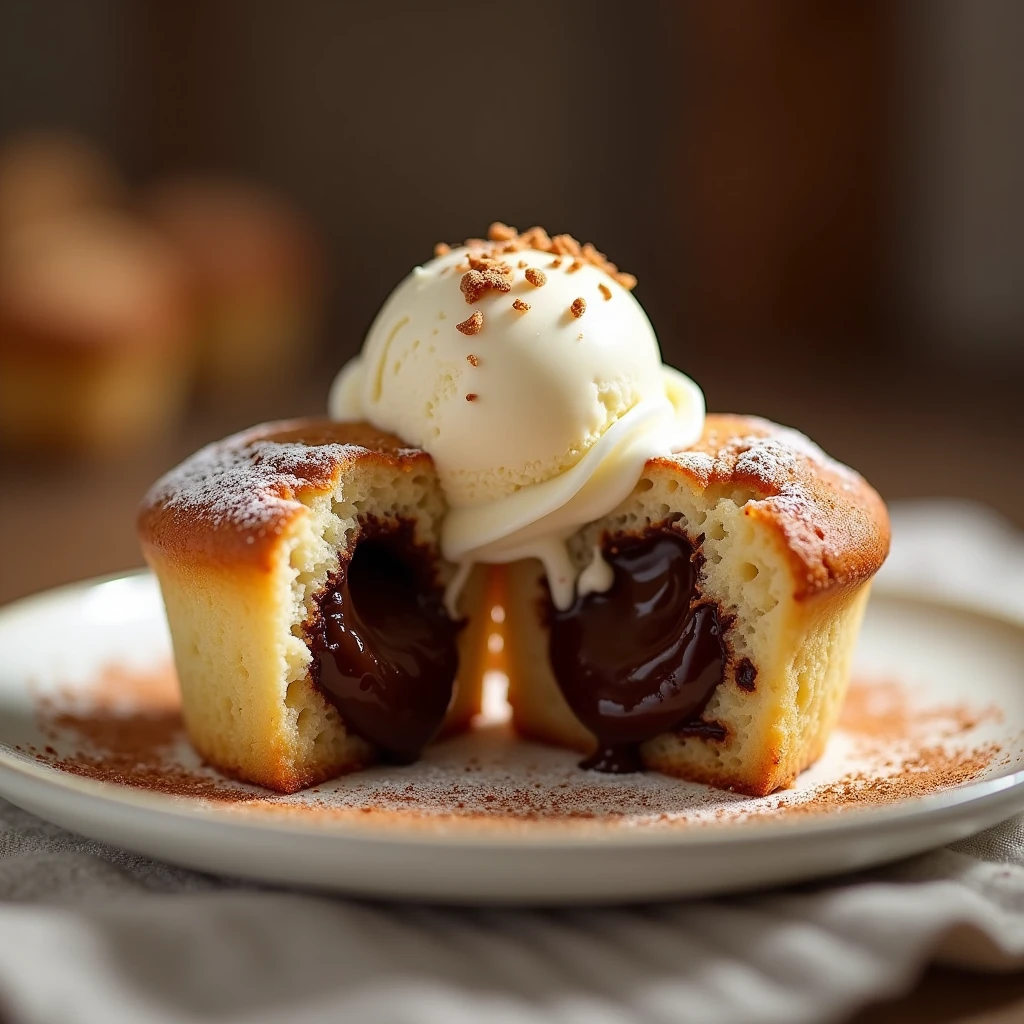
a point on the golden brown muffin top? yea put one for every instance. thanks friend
(833, 524)
(229, 502)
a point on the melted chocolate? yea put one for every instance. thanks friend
(383, 646)
(644, 657)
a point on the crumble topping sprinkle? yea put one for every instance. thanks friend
(503, 239)
(473, 324)
(482, 278)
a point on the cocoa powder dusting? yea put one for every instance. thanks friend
(125, 728)
(884, 711)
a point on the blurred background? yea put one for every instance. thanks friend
(203, 203)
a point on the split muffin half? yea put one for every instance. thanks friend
(300, 571)
(721, 652)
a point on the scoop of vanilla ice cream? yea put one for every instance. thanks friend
(540, 403)
(521, 400)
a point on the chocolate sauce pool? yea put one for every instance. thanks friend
(642, 658)
(383, 647)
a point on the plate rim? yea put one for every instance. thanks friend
(538, 834)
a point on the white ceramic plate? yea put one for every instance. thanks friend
(931, 752)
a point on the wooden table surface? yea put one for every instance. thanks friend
(63, 522)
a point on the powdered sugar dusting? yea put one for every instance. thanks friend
(250, 484)
(764, 457)
(245, 484)
(834, 525)
(701, 464)
(772, 458)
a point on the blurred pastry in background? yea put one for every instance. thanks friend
(94, 334)
(45, 175)
(255, 270)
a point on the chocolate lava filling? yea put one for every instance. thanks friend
(383, 646)
(644, 657)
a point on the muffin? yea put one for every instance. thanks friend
(94, 323)
(300, 571)
(672, 590)
(255, 273)
(720, 653)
